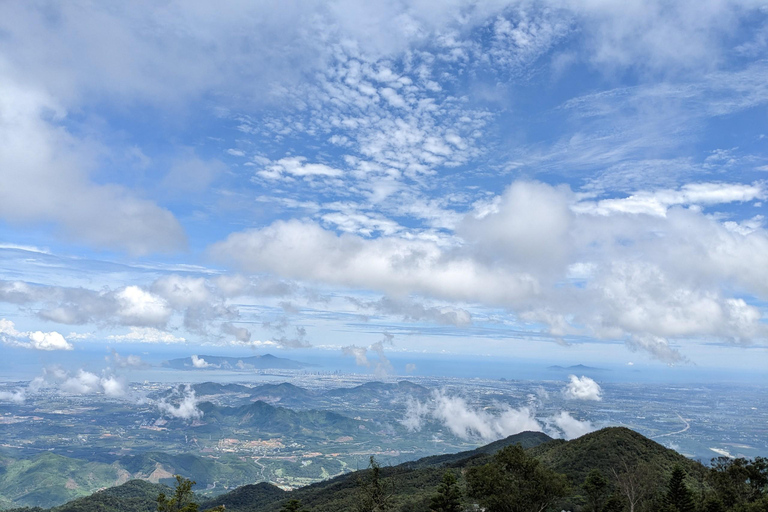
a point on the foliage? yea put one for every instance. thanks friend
(638, 473)
(181, 501)
(515, 482)
(293, 505)
(596, 490)
(448, 497)
(375, 494)
(738, 484)
(678, 497)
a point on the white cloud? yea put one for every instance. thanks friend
(17, 397)
(37, 340)
(468, 422)
(199, 362)
(658, 202)
(147, 335)
(81, 383)
(571, 427)
(582, 388)
(297, 166)
(48, 341)
(521, 251)
(142, 308)
(46, 179)
(186, 408)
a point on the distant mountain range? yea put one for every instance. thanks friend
(265, 362)
(576, 368)
(413, 483)
(291, 395)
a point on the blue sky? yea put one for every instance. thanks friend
(554, 180)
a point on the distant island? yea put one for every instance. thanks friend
(576, 368)
(265, 362)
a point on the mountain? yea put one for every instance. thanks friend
(414, 482)
(285, 393)
(279, 421)
(576, 369)
(610, 448)
(132, 496)
(265, 362)
(49, 479)
(525, 439)
(380, 390)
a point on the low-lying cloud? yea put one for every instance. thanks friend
(582, 388)
(82, 382)
(17, 397)
(468, 422)
(185, 407)
(488, 423)
(571, 427)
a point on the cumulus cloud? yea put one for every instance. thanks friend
(141, 308)
(185, 406)
(538, 251)
(199, 362)
(16, 397)
(582, 388)
(152, 312)
(571, 427)
(468, 422)
(36, 340)
(81, 383)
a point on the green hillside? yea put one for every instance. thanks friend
(611, 455)
(280, 421)
(49, 479)
(609, 449)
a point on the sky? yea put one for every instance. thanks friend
(549, 180)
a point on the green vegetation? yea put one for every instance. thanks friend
(375, 495)
(612, 470)
(182, 500)
(448, 497)
(515, 482)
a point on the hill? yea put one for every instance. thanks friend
(413, 483)
(279, 421)
(49, 479)
(380, 390)
(609, 449)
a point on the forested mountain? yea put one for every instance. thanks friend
(611, 470)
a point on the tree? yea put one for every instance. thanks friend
(375, 494)
(448, 497)
(597, 489)
(739, 482)
(293, 505)
(515, 482)
(634, 483)
(678, 497)
(181, 501)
